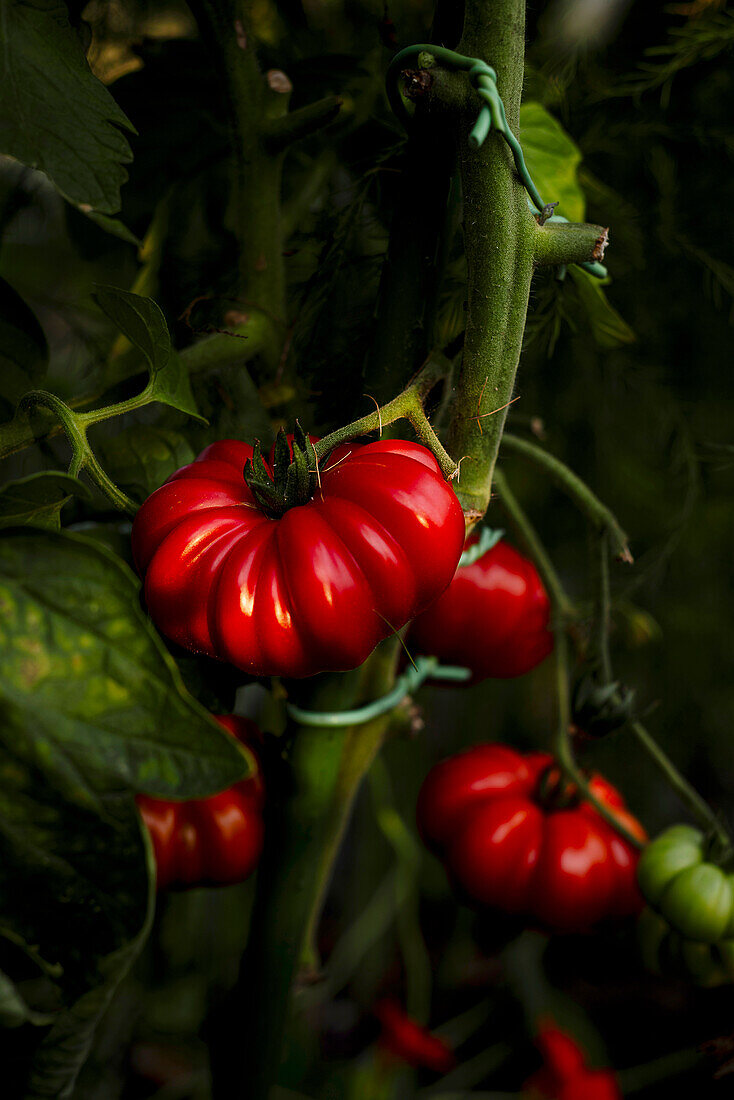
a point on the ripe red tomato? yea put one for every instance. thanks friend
(507, 844)
(565, 1075)
(406, 1040)
(209, 841)
(318, 588)
(493, 618)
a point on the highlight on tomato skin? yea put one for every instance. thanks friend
(404, 1039)
(565, 1074)
(514, 840)
(494, 617)
(314, 589)
(215, 841)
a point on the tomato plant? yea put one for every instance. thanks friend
(364, 427)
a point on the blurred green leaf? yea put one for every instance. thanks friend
(54, 114)
(141, 457)
(13, 1009)
(23, 347)
(608, 328)
(37, 500)
(111, 225)
(142, 322)
(552, 159)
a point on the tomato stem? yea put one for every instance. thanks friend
(688, 795)
(562, 743)
(82, 456)
(599, 516)
(408, 405)
(562, 606)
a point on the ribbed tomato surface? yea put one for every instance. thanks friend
(507, 848)
(493, 618)
(314, 590)
(213, 841)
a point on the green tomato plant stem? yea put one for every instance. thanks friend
(308, 814)
(408, 405)
(82, 456)
(597, 513)
(563, 613)
(563, 750)
(698, 808)
(560, 602)
(602, 605)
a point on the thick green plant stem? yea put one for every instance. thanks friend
(597, 513)
(308, 813)
(499, 233)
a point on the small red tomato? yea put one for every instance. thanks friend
(406, 1040)
(209, 841)
(313, 590)
(513, 842)
(565, 1075)
(493, 618)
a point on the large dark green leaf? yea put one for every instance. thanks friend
(91, 694)
(23, 347)
(92, 707)
(37, 500)
(54, 114)
(143, 323)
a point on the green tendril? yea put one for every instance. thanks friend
(410, 680)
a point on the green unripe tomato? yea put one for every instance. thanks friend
(693, 895)
(665, 952)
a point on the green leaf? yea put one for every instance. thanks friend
(23, 347)
(13, 1009)
(142, 322)
(608, 328)
(552, 159)
(111, 225)
(54, 114)
(37, 500)
(92, 708)
(89, 688)
(140, 458)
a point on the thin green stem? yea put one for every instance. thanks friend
(602, 605)
(691, 799)
(408, 405)
(563, 607)
(82, 457)
(598, 515)
(562, 743)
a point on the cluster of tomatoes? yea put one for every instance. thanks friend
(236, 570)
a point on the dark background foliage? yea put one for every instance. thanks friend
(635, 392)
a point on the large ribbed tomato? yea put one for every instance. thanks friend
(514, 843)
(493, 618)
(209, 841)
(313, 590)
